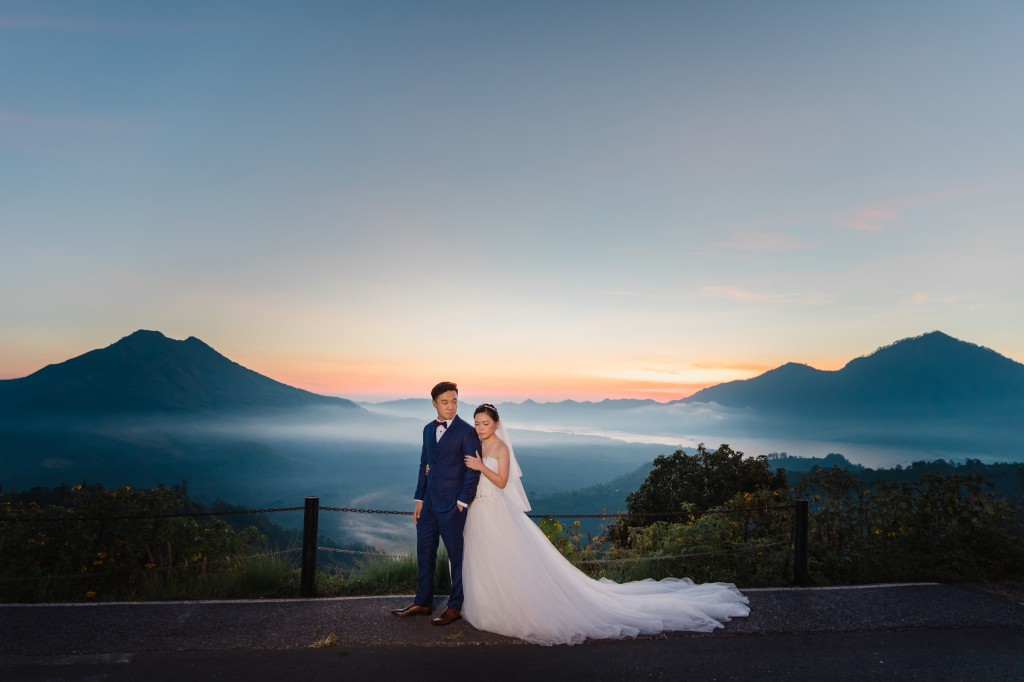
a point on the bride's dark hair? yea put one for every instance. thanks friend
(491, 411)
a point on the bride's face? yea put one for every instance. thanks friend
(485, 426)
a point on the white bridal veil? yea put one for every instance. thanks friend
(514, 487)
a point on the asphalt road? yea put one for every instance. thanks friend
(892, 632)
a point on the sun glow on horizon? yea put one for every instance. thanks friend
(379, 381)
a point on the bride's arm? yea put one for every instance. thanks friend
(500, 477)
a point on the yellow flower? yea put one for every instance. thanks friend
(76, 488)
(90, 594)
(101, 555)
(576, 523)
(149, 565)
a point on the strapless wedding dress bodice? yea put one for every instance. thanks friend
(517, 584)
(485, 489)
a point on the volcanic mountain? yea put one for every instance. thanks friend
(929, 377)
(148, 372)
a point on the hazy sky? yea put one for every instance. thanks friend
(535, 199)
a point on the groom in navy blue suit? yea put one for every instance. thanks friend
(442, 497)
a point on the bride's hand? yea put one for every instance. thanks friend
(475, 463)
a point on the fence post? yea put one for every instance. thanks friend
(307, 585)
(800, 542)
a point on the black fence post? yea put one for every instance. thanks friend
(800, 542)
(307, 585)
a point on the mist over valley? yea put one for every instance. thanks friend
(149, 410)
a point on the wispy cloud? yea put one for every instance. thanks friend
(691, 376)
(868, 219)
(920, 297)
(739, 294)
(751, 236)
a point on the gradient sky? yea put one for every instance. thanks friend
(535, 199)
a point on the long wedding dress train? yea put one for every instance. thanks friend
(517, 584)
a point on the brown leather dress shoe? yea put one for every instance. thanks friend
(449, 616)
(413, 610)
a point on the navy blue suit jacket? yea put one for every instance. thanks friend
(450, 480)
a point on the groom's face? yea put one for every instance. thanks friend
(446, 404)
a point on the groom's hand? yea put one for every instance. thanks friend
(416, 511)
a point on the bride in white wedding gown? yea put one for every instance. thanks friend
(517, 584)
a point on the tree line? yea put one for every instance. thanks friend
(727, 517)
(710, 515)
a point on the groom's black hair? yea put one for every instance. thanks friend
(443, 387)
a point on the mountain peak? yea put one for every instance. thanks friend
(792, 368)
(932, 375)
(144, 334)
(927, 351)
(148, 371)
(932, 338)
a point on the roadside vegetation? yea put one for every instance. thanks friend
(714, 515)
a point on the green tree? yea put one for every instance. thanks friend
(937, 527)
(111, 543)
(680, 483)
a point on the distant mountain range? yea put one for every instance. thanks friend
(927, 394)
(148, 372)
(150, 410)
(932, 376)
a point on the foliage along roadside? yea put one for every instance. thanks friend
(87, 542)
(935, 527)
(943, 527)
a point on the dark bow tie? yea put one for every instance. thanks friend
(438, 422)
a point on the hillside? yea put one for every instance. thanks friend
(932, 376)
(147, 372)
(148, 410)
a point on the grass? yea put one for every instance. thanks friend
(323, 642)
(382, 575)
(278, 575)
(268, 575)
